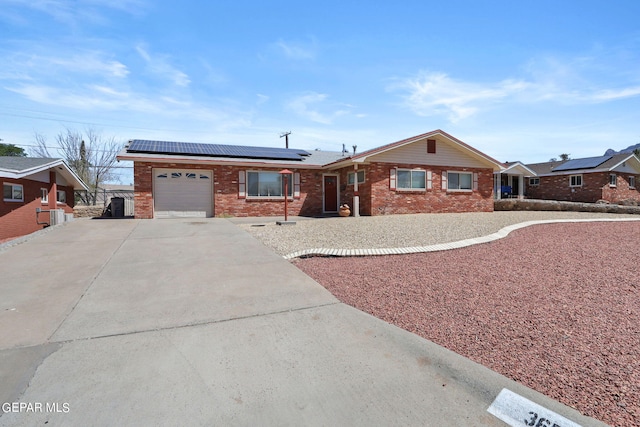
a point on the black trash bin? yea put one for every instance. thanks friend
(117, 207)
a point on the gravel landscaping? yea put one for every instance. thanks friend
(392, 231)
(555, 307)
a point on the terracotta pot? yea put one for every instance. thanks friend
(344, 211)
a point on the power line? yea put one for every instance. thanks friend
(55, 148)
(100, 124)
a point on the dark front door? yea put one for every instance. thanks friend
(330, 193)
(515, 187)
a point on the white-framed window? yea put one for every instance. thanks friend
(268, 184)
(62, 196)
(575, 181)
(411, 179)
(12, 193)
(460, 181)
(351, 175)
(534, 181)
(632, 182)
(613, 180)
(44, 195)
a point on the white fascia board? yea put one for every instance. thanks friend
(8, 173)
(527, 171)
(75, 177)
(214, 161)
(626, 159)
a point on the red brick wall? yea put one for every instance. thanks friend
(380, 200)
(621, 192)
(375, 196)
(19, 218)
(364, 189)
(595, 186)
(142, 185)
(225, 187)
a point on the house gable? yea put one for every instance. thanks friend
(630, 165)
(449, 151)
(446, 154)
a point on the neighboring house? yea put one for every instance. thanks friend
(510, 181)
(30, 184)
(612, 178)
(433, 172)
(104, 194)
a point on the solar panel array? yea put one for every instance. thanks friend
(586, 163)
(215, 150)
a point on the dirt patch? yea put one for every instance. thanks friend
(555, 307)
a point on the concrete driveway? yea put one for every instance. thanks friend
(194, 322)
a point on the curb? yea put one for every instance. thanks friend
(500, 234)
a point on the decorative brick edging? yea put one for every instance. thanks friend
(504, 232)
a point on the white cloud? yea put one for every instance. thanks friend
(437, 93)
(109, 91)
(160, 65)
(72, 12)
(101, 100)
(612, 95)
(549, 81)
(309, 104)
(297, 51)
(28, 66)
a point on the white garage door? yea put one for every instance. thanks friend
(179, 193)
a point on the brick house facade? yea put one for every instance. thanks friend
(227, 201)
(30, 184)
(614, 180)
(321, 180)
(377, 198)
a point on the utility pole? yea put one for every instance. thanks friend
(286, 138)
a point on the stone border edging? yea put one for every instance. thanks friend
(502, 233)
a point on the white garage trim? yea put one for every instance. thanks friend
(182, 193)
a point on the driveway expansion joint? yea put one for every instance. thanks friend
(500, 234)
(193, 324)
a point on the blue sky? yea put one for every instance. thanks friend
(519, 80)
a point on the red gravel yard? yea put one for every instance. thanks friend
(555, 307)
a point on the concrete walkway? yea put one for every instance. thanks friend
(194, 322)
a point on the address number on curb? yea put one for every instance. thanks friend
(518, 411)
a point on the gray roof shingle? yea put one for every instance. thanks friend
(23, 163)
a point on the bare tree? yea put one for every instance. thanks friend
(91, 156)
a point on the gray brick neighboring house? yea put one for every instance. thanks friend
(612, 178)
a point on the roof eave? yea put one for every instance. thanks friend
(214, 161)
(519, 165)
(495, 164)
(58, 163)
(626, 159)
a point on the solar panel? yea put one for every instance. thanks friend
(586, 163)
(215, 150)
